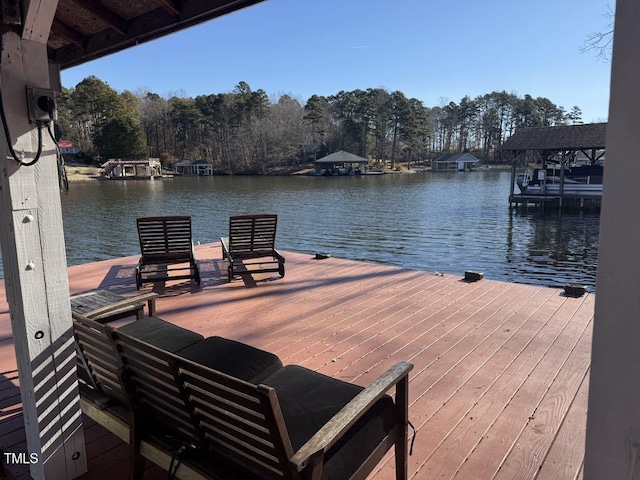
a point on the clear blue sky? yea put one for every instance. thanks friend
(433, 50)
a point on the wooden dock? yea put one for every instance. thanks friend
(499, 388)
(567, 201)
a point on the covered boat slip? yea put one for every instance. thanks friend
(558, 180)
(499, 388)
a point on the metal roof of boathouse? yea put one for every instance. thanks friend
(456, 157)
(342, 157)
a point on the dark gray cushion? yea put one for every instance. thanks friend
(309, 400)
(161, 334)
(233, 358)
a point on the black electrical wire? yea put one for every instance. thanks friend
(37, 157)
(62, 171)
(7, 135)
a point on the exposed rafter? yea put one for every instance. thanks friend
(65, 31)
(170, 7)
(135, 22)
(114, 21)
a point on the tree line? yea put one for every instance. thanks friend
(246, 131)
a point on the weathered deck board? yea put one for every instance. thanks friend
(565, 458)
(511, 434)
(500, 381)
(476, 402)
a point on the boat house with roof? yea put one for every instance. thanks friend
(132, 169)
(560, 179)
(340, 163)
(195, 168)
(455, 162)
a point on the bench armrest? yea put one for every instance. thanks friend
(149, 297)
(331, 432)
(224, 242)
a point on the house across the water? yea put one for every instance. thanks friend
(132, 169)
(455, 162)
(197, 168)
(67, 148)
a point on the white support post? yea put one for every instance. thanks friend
(34, 260)
(613, 421)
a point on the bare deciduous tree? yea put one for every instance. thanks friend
(600, 43)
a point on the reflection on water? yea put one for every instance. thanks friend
(447, 222)
(561, 248)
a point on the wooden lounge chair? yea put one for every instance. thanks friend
(250, 246)
(166, 247)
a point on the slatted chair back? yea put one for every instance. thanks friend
(158, 399)
(99, 357)
(239, 420)
(252, 236)
(165, 239)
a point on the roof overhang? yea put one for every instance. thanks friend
(565, 137)
(84, 30)
(341, 157)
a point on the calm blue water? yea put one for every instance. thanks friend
(446, 222)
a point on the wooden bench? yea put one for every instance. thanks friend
(104, 392)
(250, 246)
(292, 423)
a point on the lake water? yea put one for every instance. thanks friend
(444, 222)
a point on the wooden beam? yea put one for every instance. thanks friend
(613, 421)
(149, 26)
(170, 7)
(38, 16)
(590, 155)
(71, 34)
(116, 22)
(34, 260)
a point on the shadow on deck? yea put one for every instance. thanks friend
(499, 388)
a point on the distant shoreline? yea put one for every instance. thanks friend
(83, 173)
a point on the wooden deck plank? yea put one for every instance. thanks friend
(531, 448)
(466, 316)
(337, 336)
(484, 396)
(312, 317)
(566, 454)
(544, 397)
(406, 303)
(466, 373)
(313, 332)
(421, 336)
(489, 350)
(437, 372)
